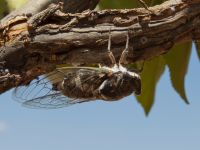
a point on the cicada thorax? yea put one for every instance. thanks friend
(83, 84)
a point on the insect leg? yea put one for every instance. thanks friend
(124, 54)
(143, 4)
(110, 54)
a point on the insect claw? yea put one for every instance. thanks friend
(145, 5)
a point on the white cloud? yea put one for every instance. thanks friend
(3, 126)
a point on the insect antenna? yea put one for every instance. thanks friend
(124, 54)
(110, 54)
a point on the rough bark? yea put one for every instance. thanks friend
(33, 45)
(70, 6)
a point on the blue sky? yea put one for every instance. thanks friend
(171, 125)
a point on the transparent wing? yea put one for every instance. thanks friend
(51, 101)
(41, 94)
(38, 88)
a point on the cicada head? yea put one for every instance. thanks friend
(119, 85)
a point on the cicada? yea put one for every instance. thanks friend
(71, 85)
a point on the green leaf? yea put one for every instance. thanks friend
(14, 5)
(9, 5)
(150, 75)
(105, 4)
(197, 45)
(177, 60)
(4, 8)
(117, 4)
(154, 2)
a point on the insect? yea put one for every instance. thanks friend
(71, 85)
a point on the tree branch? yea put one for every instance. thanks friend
(53, 37)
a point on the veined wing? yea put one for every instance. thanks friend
(38, 87)
(41, 93)
(52, 101)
